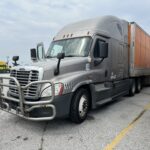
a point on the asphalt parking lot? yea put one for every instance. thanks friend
(122, 125)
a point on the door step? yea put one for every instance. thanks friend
(103, 101)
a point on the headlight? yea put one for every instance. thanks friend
(46, 90)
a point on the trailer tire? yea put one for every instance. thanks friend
(79, 106)
(132, 88)
(138, 85)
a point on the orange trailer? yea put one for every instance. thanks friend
(139, 44)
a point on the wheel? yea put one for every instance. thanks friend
(79, 106)
(138, 85)
(132, 88)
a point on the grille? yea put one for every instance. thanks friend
(24, 78)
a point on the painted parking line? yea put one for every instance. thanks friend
(123, 133)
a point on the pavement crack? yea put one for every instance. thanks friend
(43, 133)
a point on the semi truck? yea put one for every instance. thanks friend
(88, 63)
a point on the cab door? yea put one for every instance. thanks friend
(100, 67)
(118, 65)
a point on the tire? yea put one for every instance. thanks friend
(138, 85)
(79, 106)
(132, 88)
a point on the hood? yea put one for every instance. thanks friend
(67, 65)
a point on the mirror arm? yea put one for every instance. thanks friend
(56, 71)
(43, 51)
(15, 63)
(59, 57)
(98, 62)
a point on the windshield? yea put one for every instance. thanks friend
(76, 47)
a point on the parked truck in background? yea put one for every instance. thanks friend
(4, 68)
(87, 64)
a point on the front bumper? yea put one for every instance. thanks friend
(34, 110)
(62, 105)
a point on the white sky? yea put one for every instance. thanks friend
(24, 23)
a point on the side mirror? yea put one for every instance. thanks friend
(15, 59)
(103, 50)
(60, 55)
(40, 51)
(33, 54)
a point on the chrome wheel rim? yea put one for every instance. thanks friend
(83, 106)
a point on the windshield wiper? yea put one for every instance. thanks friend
(65, 56)
(49, 57)
(73, 56)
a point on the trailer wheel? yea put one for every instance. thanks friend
(79, 106)
(138, 85)
(132, 88)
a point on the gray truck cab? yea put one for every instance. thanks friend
(85, 65)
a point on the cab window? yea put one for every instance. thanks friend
(97, 48)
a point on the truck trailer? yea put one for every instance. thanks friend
(88, 63)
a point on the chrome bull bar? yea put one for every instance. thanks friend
(21, 110)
